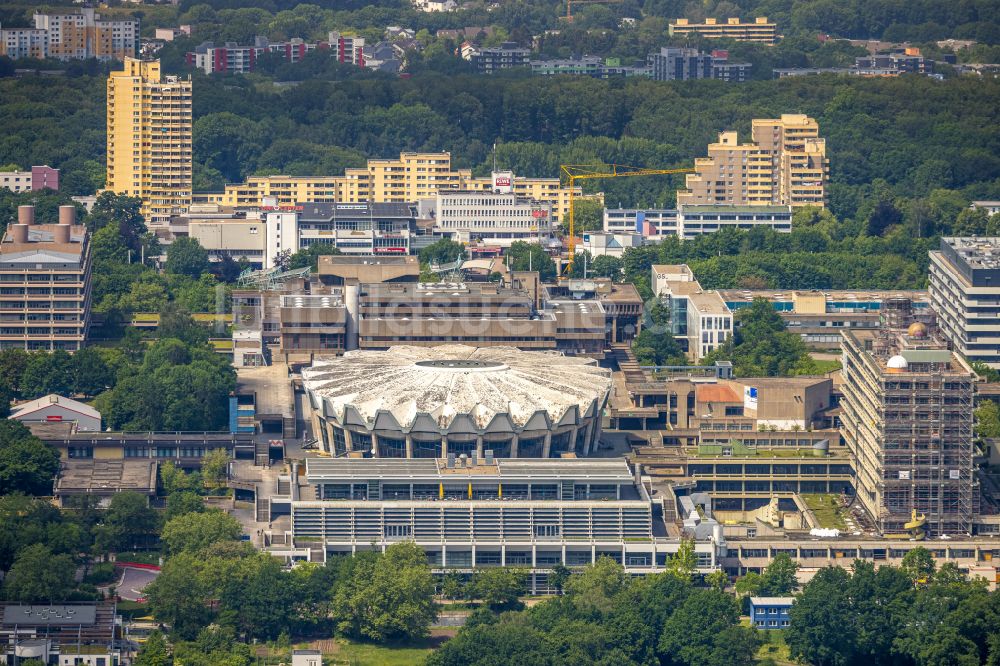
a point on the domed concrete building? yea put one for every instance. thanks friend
(427, 402)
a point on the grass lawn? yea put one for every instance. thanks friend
(140, 557)
(775, 651)
(827, 509)
(824, 366)
(343, 652)
(366, 654)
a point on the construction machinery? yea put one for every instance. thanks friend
(575, 172)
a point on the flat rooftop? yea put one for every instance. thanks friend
(272, 388)
(106, 477)
(48, 615)
(614, 470)
(835, 295)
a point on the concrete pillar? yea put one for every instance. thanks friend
(409, 446)
(374, 445)
(353, 308)
(479, 448)
(547, 446)
(348, 440)
(589, 436)
(513, 446)
(444, 446)
(573, 434)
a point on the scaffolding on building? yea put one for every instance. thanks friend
(270, 278)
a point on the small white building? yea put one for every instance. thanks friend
(600, 243)
(307, 658)
(56, 408)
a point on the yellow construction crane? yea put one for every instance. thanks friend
(575, 172)
(569, 6)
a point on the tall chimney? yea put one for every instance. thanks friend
(67, 215)
(25, 214)
(19, 232)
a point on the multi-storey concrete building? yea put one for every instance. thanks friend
(348, 48)
(819, 316)
(907, 420)
(427, 402)
(82, 33)
(761, 30)
(592, 66)
(353, 228)
(412, 177)
(45, 277)
(528, 513)
(39, 178)
(222, 231)
(17, 43)
(784, 164)
(231, 58)
(893, 64)
(149, 138)
(699, 318)
(683, 64)
(475, 313)
(506, 56)
(965, 292)
(690, 220)
(493, 218)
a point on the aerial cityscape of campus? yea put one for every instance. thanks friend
(499, 332)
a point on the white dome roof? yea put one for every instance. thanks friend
(897, 363)
(449, 380)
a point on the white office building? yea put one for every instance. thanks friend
(689, 221)
(965, 293)
(497, 218)
(700, 319)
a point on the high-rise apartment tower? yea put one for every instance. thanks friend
(149, 138)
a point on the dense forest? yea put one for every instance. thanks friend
(919, 20)
(914, 135)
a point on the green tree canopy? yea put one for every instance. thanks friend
(195, 531)
(186, 256)
(27, 464)
(387, 596)
(39, 576)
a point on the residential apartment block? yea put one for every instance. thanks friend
(17, 43)
(149, 138)
(683, 64)
(699, 319)
(908, 423)
(785, 164)
(760, 30)
(39, 178)
(81, 33)
(410, 178)
(45, 277)
(506, 56)
(965, 292)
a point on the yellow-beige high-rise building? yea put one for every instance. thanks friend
(412, 177)
(784, 164)
(149, 138)
(759, 30)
